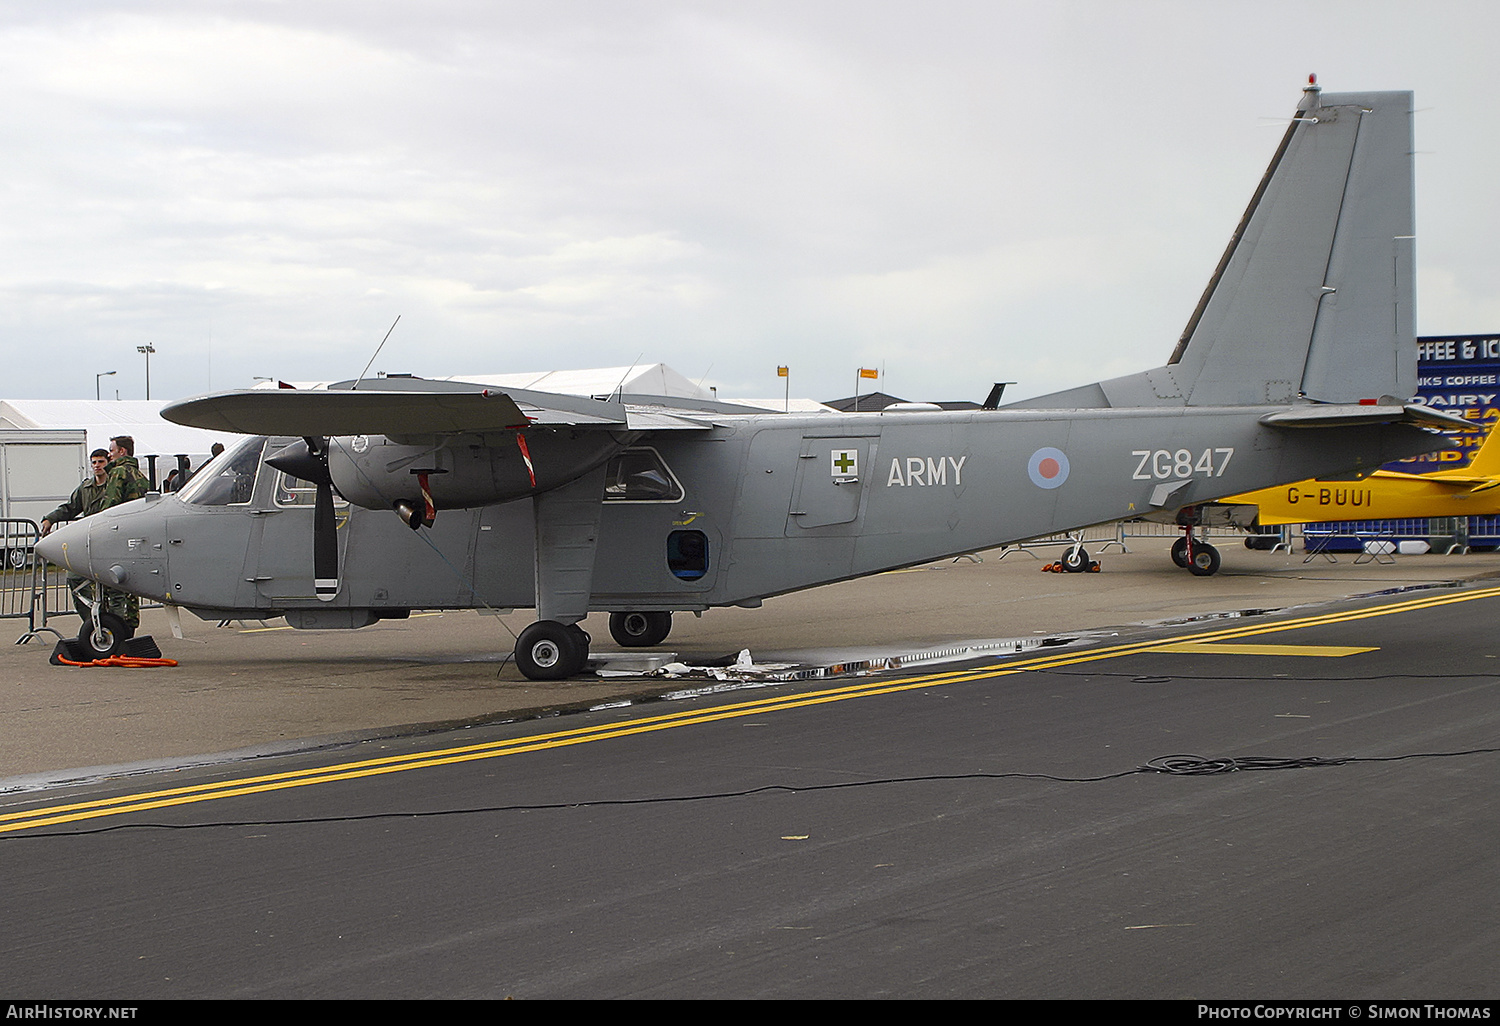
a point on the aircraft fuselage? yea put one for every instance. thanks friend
(752, 507)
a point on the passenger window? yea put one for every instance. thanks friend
(639, 475)
(293, 491)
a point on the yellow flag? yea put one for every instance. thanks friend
(867, 372)
(782, 372)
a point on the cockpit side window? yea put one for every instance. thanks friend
(229, 480)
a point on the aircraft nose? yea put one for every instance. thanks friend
(67, 546)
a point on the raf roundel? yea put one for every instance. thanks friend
(1048, 467)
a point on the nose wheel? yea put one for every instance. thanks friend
(105, 638)
(548, 650)
(1076, 560)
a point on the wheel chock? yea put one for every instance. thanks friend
(140, 653)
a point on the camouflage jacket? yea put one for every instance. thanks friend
(86, 500)
(124, 483)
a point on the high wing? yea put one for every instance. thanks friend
(417, 445)
(415, 408)
(292, 412)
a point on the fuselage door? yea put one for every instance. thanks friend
(832, 473)
(281, 541)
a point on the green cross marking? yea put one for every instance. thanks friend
(844, 461)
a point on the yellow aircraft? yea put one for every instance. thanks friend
(1468, 491)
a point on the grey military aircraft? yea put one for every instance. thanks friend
(1296, 363)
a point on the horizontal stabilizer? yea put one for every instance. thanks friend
(1334, 415)
(1476, 484)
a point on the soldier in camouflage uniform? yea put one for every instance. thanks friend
(123, 482)
(86, 500)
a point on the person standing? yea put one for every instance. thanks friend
(123, 482)
(86, 500)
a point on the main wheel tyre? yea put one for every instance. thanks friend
(548, 650)
(1179, 552)
(640, 630)
(16, 559)
(1075, 560)
(1205, 561)
(111, 637)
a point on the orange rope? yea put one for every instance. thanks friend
(129, 662)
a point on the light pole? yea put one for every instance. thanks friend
(147, 350)
(106, 374)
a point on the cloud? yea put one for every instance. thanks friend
(974, 191)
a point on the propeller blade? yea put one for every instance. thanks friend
(325, 545)
(308, 460)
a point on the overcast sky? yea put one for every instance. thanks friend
(957, 192)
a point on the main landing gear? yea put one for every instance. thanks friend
(549, 650)
(1197, 557)
(640, 630)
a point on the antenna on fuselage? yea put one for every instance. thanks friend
(619, 391)
(376, 353)
(993, 400)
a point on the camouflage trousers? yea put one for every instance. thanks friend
(122, 604)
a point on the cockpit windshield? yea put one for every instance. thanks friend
(228, 479)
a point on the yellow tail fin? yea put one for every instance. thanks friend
(1486, 461)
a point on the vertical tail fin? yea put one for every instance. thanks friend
(1486, 460)
(1313, 298)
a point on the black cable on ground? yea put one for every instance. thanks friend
(1172, 765)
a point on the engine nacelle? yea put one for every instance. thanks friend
(375, 472)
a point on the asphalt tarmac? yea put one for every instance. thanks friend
(997, 829)
(262, 687)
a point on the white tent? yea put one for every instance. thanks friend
(646, 379)
(104, 419)
(642, 379)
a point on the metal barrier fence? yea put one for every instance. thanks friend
(22, 577)
(1102, 537)
(31, 589)
(1156, 529)
(1484, 531)
(1445, 535)
(17, 576)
